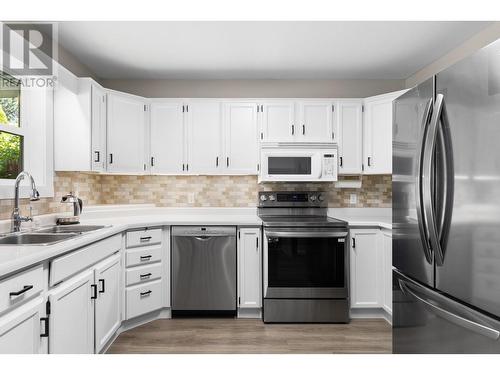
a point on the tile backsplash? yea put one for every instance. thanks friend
(191, 191)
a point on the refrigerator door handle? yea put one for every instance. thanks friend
(422, 223)
(438, 238)
(423, 295)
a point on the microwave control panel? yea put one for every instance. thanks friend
(329, 165)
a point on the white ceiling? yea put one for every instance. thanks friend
(261, 50)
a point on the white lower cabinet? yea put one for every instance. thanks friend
(387, 257)
(107, 307)
(366, 268)
(85, 309)
(21, 330)
(249, 268)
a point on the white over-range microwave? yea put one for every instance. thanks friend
(297, 162)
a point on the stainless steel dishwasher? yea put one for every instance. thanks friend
(203, 270)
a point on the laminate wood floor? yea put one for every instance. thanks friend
(224, 336)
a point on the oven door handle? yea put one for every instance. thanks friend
(274, 234)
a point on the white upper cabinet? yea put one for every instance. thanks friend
(126, 131)
(168, 138)
(204, 135)
(278, 121)
(350, 123)
(241, 142)
(377, 142)
(316, 121)
(79, 124)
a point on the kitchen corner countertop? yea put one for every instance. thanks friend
(119, 218)
(364, 217)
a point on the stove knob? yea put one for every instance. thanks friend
(312, 198)
(263, 197)
(272, 197)
(321, 198)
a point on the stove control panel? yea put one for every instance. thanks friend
(292, 199)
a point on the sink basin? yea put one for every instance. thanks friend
(71, 229)
(35, 238)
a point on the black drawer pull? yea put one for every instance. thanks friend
(97, 157)
(46, 323)
(144, 239)
(146, 257)
(146, 275)
(22, 291)
(144, 294)
(101, 282)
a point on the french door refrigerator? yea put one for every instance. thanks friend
(446, 210)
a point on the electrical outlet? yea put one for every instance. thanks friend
(191, 198)
(353, 198)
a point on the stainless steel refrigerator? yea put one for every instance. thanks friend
(446, 210)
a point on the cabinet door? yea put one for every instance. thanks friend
(387, 270)
(278, 121)
(20, 329)
(377, 148)
(366, 265)
(249, 268)
(316, 121)
(204, 134)
(72, 316)
(107, 307)
(350, 138)
(125, 133)
(98, 97)
(167, 138)
(241, 138)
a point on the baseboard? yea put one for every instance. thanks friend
(371, 313)
(249, 313)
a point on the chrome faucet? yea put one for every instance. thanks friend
(17, 219)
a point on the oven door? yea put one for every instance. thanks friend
(290, 165)
(305, 263)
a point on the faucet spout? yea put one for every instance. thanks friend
(34, 196)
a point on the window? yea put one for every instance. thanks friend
(11, 139)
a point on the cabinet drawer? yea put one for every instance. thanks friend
(143, 237)
(142, 274)
(67, 265)
(143, 298)
(20, 287)
(143, 256)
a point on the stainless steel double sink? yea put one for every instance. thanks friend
(48, 235)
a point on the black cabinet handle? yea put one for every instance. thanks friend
(293, 129)
(46, 326)
(369, 161)
(183, 167)
(340, 161)
(102, 284)
(145, 275)
(353, 242)
(110, 158)
(217, 161)
(144, 294)
(303, 130)
(146, 257)
(152, 161)
(227, 161)
(93, 288)
(97, 156)
(145, 239)
(22, 291)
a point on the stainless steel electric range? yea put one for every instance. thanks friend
(306, 262)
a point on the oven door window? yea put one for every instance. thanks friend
(306, 263)
(289, 165)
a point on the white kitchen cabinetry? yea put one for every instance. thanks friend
(387, 270)
(72, 315)
(204, 120)
(366, 260)
(168, 138)
(249, 268)
(107, 308)
(350, 143)
(377, 133)
(21, 330)
(126, 133)
(240, 139)
(79, 124)
(317, 122)
(278, 121)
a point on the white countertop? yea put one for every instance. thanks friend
(123, 217)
